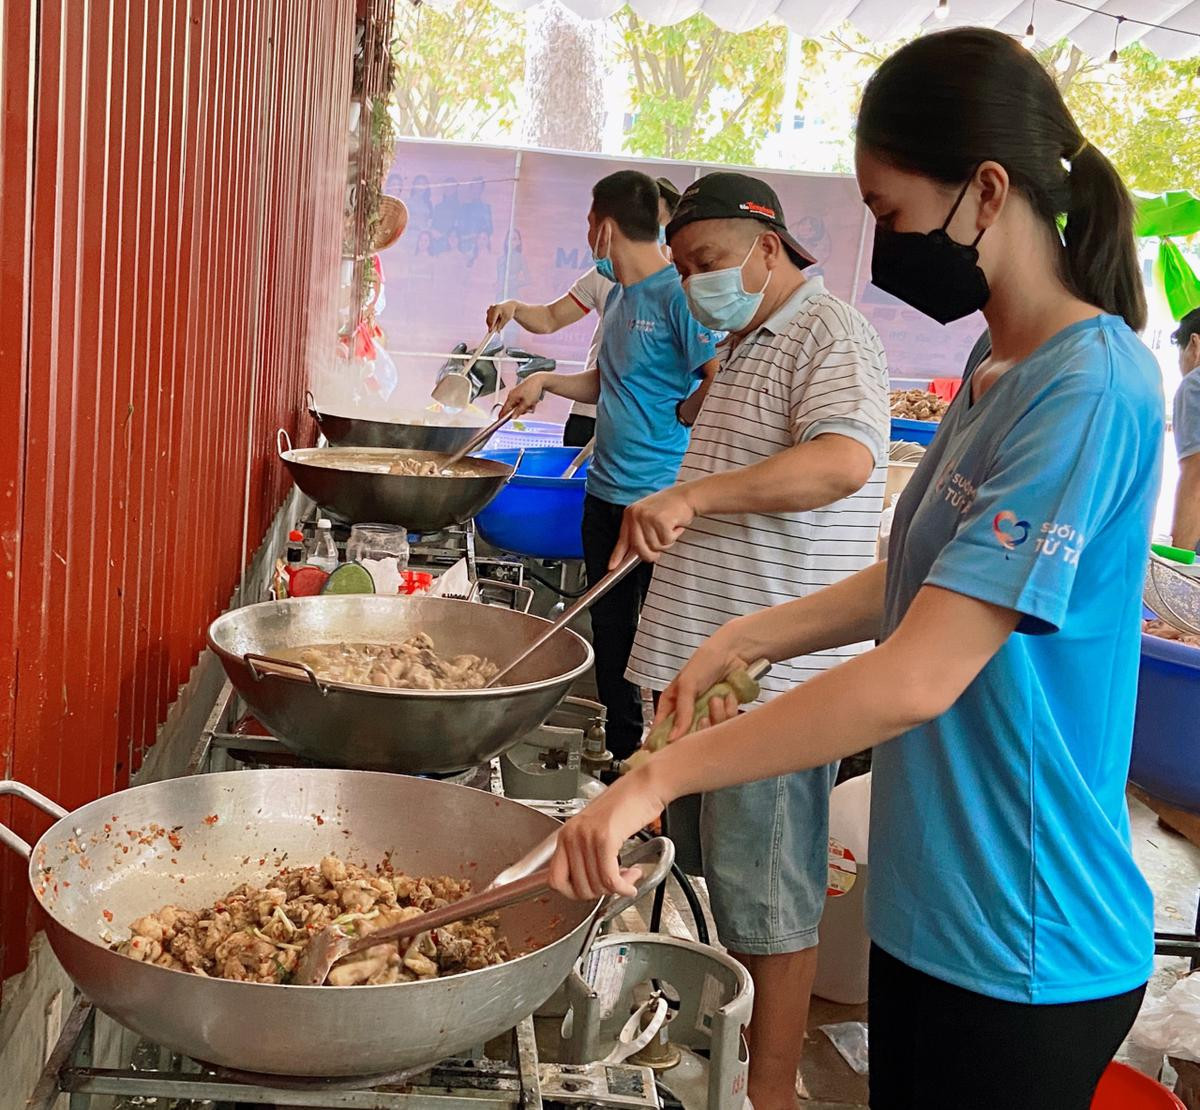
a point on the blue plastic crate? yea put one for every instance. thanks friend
(527, 433)
(914, 431)
(537, 513)
(1166, 728)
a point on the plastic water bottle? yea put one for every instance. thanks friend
(323, 552)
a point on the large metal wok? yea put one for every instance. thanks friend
(354, 482)
(410, 731)
(237, 827)
(357, 431)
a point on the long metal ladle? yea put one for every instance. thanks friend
(569, 614)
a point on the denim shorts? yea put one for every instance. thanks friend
(764, 851)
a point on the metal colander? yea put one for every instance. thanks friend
(1173, 593)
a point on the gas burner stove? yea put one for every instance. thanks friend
(249, 745)
(522, 1081)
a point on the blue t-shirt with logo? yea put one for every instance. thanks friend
(1000, 845)
(649, 355)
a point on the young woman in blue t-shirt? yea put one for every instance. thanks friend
(1012, 932)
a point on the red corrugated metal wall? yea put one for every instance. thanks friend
(172, 178)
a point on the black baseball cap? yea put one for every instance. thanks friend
(736, 196)
(668, 190)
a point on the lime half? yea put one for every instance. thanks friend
(350, 578)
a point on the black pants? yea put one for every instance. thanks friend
(578, 430)
(614, 624)
(934, 1046)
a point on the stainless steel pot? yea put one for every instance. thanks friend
(410, 731)
(340, 479)
(237, 827)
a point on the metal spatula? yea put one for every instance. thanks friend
(569, 614)
(453, 392)
(585, 453)
(476, 441)
(332, 943)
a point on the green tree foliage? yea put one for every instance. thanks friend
(1144, 112)
(699, 92)
(457, 71)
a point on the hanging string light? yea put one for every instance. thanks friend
(1148, 24)
(1030, 38)
(943, 9)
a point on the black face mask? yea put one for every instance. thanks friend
(930, 271)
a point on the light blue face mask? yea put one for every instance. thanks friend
(662, 235)
(719, 299)
(604, 266)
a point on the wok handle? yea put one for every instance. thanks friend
(312, 405)
(524, 593)
(20, 790)
(282, 437)
(252, 657)
(658, 849)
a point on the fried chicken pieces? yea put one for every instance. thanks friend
(409, 665)
(256, 934)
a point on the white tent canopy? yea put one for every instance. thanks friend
(885, 20)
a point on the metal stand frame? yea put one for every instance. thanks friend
(453, 1085)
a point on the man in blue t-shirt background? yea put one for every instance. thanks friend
(653, 370)
(1185, 529)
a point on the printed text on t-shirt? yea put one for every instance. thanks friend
(1059, 540)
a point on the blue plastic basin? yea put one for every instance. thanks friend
(914, 431)
(538, 513)
(1166, 729)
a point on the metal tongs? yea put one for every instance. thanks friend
(453, 392)
(569, 614)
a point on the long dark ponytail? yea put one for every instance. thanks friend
(948, 101)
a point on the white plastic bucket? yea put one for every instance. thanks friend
(845, 948)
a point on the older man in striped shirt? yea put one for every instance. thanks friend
(779, 494)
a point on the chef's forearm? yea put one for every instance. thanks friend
(805, 477)
(849, 612)
(945, 640)
(534, 318)
(690, 407)
(1185, 529)
(583, 387)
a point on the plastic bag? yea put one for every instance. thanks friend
(850, 1039)
(1171, 1024)
(380, 377)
